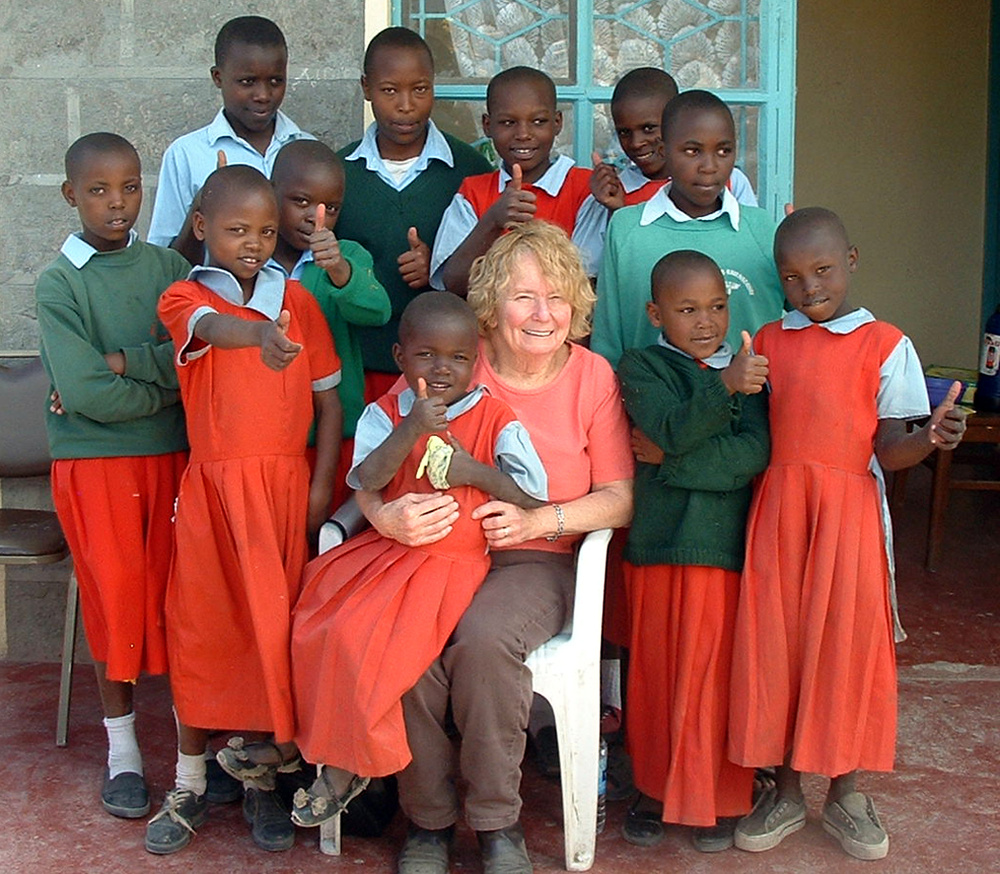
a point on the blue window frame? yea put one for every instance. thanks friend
(742, 50)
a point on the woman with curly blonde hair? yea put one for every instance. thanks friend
(532, 299)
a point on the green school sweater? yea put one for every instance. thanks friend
(631, 250)
(109, 305)
(691, 509)
(378, 217)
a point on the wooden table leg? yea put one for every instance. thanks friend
(939, 503)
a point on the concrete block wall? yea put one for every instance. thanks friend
(139, 68)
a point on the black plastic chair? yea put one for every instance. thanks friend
(32, 536)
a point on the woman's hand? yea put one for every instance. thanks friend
(413, 519)
(507, 525)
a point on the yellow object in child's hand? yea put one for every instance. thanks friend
(436, 461)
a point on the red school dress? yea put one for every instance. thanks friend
(374, 614)
(814, 668)
(241, 510)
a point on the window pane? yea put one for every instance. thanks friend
(713, 44)
(472, 41)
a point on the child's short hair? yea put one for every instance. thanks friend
(508, 77)
(301, 154)
(91, 144)
(558, 260)
(644, 82)
(252, 30)
(673, 265)
(227, 182)
(695, 99)
(806, 220)
(395, 39)
(434, 307)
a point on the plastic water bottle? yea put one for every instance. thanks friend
(602, 786)
(987, 397)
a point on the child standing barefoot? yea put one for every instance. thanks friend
(374, 613)
(814, 670)
(703, 407)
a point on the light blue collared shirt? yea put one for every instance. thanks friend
(435, 148)
(78, 251)
(513, 453)
(296, 273)
(660, 205)
(460, 218)
(191, 158)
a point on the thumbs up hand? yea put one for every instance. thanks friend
(746, 373)
(428, 413)
(326, 250)
(605, 185)
(947, 424)
(276, 350)
(514, 205)
(415, 262)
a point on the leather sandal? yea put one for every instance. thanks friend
(314, 806)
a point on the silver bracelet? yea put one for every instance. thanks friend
(560, 524)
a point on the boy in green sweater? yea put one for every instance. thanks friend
(116, 434)
(705, 412)
(400, 178)
(308, 179)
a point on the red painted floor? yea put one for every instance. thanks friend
(940, 806)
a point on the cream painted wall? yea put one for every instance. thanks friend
(891, 134)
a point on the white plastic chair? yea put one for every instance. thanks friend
(566, 671)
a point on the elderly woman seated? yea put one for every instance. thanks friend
(532, 300)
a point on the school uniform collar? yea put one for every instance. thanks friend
(463, 405)
(796, 321)
(718, 360)
(306, 257)
(632, 179)
(436, 148)
(268, 292)
(221, 129)
(660, 205)
(551, 181)
(78, 251)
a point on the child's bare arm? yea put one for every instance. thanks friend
(230, 332)
(381, 464)
(465, 470)
(896, 448)
(329, 427)
(514, 205)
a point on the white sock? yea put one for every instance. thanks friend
(191, 772)
(123, 748)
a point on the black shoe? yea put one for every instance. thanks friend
(172, 828)
(125, 795)
(425, 851)
(504, 851)
(643, 828)
(222, 789)
(270, 823)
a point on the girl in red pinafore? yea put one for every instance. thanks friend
(814, 672)
(373, 613)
